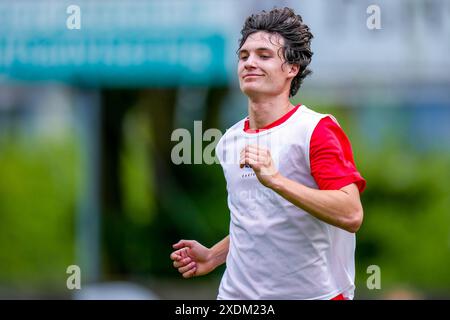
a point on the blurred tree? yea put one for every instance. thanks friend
(115, 105)
(179, 190)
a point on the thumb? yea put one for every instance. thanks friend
(182, 244)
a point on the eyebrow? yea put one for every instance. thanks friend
(258, 49)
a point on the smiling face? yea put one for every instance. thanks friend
(260, 69)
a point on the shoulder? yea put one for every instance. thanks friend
(305, 111)
(225, 144)
(232, 131)
(328, 129)
(238, 126)
(312, 119)
(328, 138)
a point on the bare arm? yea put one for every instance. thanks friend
(219, 252)
(341, 208)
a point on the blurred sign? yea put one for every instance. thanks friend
(162, 42)
(116, 44)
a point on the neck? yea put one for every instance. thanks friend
(262, 112)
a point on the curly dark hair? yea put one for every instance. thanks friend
(296, 34)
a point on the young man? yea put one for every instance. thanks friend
(292, 182)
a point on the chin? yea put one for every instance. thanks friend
(250, 90)
(256, 92)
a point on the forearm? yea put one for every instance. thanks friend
(219, 252)
(335, 207)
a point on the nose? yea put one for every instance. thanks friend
(250, 63)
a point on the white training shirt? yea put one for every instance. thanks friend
(277, 250)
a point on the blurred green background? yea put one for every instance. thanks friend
(86, 176)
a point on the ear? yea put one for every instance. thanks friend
(294, 69)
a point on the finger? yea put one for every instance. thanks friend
(256, 148)
(242, 165)
(182, 263)
(184, 253)
(175, 256)
(263, 153)
(253, 156)
(258, 151)
(252, 152)
(251, 162)
(190, 273)
(249, 148)
(243, 162)
(187, 267)
(180, 253)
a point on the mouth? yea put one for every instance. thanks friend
(252, 75)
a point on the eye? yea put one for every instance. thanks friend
(243, 57)
(264, 57)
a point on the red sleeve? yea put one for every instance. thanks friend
(331, 158)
